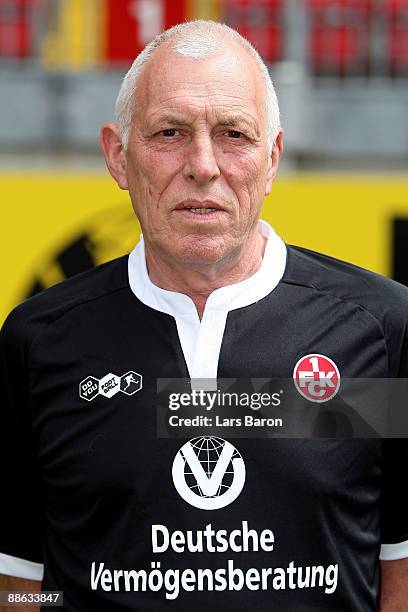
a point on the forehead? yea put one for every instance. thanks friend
(228, 81)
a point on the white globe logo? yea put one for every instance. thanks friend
(208, 473)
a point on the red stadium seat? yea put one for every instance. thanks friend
(16, 31)
(339, 36)
(260, 21)
(397, 28)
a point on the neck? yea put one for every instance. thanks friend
(198, 282)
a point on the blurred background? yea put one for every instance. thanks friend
(340, 68)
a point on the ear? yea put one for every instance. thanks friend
(276, 154)
(114, 153)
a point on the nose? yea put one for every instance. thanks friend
(201, 163)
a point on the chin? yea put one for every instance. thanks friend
(201, 252)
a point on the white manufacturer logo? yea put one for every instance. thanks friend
(208, 473)
(110, 385)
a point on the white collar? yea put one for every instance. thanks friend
(226, 298)
(201, 340)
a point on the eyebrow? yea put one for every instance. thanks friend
(168, 118)
(234, 120)
(230, 119)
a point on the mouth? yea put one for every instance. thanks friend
(200, 211)
(194, 207)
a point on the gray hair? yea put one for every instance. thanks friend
(195, 39)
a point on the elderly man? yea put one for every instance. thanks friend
(97, 505)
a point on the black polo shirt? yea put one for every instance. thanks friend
(96, 505)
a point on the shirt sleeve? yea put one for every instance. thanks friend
(21, 507)
(394, 495)
(394, 501)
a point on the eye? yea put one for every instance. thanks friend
(169, 132)
(234, 134)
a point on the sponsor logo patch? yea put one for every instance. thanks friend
(208, 473)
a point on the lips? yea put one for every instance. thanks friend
(203, 206)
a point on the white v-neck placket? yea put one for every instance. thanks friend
(208, 345)
(201, 340)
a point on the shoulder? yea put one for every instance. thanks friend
(382, 298)
(31, 316)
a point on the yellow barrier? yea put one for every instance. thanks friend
(43, 216)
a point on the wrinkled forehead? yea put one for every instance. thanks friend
(230, 77)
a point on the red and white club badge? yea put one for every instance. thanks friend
(316, 377)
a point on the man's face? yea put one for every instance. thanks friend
(198, 141)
